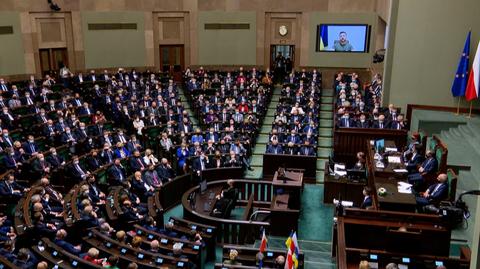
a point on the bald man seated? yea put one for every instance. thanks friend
(435, 193)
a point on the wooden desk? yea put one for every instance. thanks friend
(293, 185)
(394, 201)
(344, 188)
(271, 163)
(388, 170)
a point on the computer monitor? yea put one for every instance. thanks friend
(379, 145)
(356, 174)
(203, 186)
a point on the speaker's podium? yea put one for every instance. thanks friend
(285, 208)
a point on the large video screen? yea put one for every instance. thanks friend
(343, 37)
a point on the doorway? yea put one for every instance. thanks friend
(172, 60)
(52, 59)
(288, 54)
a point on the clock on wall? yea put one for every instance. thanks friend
(282, 30)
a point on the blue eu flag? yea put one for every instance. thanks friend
(461, 77)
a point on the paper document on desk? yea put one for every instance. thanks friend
(387, 149)
(339, 169)
(400, 170)
(339, 166)
(394, 159)
(344, 203)
(404, 187)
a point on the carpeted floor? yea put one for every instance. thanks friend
(316, 218)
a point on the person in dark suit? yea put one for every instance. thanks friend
(69, 138)
(31, 148)
(10, 161)
(25, 259)
(136, 162)
(306, 149)
(141, 188)
(78, 172)
(362, 122)
(107, 154)
(82, 132)
(367, 198)
(54, 159)
(86, 109)
(398, 123)
(435, 193)
(232, 160)
(293, 137)
(199, 164)
(94, 161)
(290, 149)
(428, 167)
(165, 171)
(392, 113)
(381, 123)
(274, 148)
(345, 121)
(10, 189)
(414, 159)
(40, 166)
(7, 250)
(117, 172)
(60, 241)
(129, 213)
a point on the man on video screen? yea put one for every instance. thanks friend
(342, 44)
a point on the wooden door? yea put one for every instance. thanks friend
(51, 60)
(172, 60)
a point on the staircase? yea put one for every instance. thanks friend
(262, 139)
(463, 144)
(186, 106)
(325, 141)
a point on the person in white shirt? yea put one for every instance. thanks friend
(149, 158)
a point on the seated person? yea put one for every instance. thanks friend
(414, 159)
(274, 148)
(367, 198)
(435, 193)
(428, 167)
(360, 164)
(225, 198)
(60, 241)
(232, 258)
(10, 189)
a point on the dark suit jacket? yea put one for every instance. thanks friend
(67, 246)
(367, 202)
(430, 165)
(115, 173)
(27, 147)
(5, 191)
(376, 124)
(307, 151)
(197, 166)
(93, 163)
(440, 194)
(135, 163)
(342, 122)
(271, 149)
(365, 124)
(55, 161)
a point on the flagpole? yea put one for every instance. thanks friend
(458, 106)
(470, 113)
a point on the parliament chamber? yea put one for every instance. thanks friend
(239, 134)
